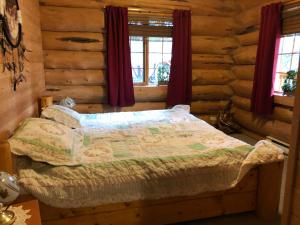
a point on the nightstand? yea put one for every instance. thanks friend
(33, 205)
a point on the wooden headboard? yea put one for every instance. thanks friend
(6, 159)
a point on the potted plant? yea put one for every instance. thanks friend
(289, 84)
(163, 73)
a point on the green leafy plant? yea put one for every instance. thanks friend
(290, 82)
(163, 73)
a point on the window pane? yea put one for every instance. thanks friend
(154, 60)
(295, 62)
(167, 45)
(137, 60)
(281, 45)
(167, 58)
(297, 44)
(155, 44)
(288, 44)
(138, 75)
(278, 69)
(285, 64)
(279, 82)
(152, 77)
(136, 44)
(163, 72)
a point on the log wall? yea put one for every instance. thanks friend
(18, 105)
(74, 53)
(279, 124)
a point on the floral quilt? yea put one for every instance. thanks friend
(146, 155)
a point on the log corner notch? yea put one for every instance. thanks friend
(268, 195)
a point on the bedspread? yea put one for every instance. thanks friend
(176, 155)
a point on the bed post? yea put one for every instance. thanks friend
(6, 162)
(268, 193)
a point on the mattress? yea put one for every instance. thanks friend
(143, 155)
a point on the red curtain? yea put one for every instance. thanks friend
(180, 84)
(266, 60)
(120, 83)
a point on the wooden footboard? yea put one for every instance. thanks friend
(258, 191)
(165, 211)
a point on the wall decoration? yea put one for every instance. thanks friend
(11, 36)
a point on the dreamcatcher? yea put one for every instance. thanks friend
(12, 48)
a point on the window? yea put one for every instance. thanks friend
(150, 59)
(150, 33)
(288, 58)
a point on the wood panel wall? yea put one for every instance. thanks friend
(74, 53)
(279, 124)
(18, 105)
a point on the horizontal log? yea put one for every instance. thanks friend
(283, 114)
(211, 118)
(75, 77)
(217, 45)
(246, 4)
(208, 107)
(244, 72)
(101, 108)
(95, 60)
(71, 19)
(250, 17)
(214, 26)
(212, 7)
(211, 77)
(287, 101)
(250, 38)
(242, 88)
(211, 92)
(279, 113)
(149, 93)
(141, 106)
(98, 94)
(93, 108)
(81, 94)
(97, 77)
(241, 103)
(245, 55)
(73, 60)
(74, 41)
(205, 61)
(263, 126)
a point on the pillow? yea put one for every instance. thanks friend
(46, 141)
(62, 115)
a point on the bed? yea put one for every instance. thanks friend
(151, 167)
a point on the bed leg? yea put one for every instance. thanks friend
(268, 196)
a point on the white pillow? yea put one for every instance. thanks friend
(46, 141)
(62, 115)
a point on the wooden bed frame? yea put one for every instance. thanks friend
(258, 191)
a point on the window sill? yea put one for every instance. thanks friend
(150, 86)
(284, 100)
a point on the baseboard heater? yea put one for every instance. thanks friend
(283, 145)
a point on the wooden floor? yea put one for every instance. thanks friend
(240, 219)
